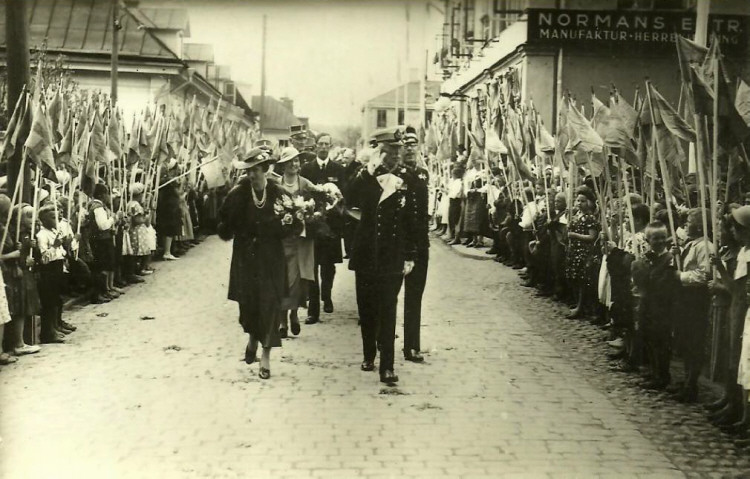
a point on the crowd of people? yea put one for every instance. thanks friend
(89, 250)
(661, 291)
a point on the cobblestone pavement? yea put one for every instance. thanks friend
(508, 389)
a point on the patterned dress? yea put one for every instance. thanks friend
(140, 242)
(580, 253)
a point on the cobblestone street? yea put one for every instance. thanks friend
(508, 389)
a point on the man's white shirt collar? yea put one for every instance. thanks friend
(322, 163)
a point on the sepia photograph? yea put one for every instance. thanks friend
(374, 239)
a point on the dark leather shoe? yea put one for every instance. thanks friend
(413, 356)
(654, 385)
(687, 396)
(283, 333)
(295, 329)
(312, 320)
(367, 366)
(134, 279)
(328, 306)
(100, 299)
(54, 338)
(388, 377)
(716, 405)
(735, 428)
(620, 354)
(67, 325)
(250, 355)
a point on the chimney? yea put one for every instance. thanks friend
(288, 103)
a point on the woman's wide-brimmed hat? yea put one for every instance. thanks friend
(288, 154)
(253, 158)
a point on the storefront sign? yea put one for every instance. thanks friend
(643, 30)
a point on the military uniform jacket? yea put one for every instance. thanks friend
(386, 235)
(327, 250)
(419, 182)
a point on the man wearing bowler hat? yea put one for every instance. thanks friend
(328, 253)
(384, 248)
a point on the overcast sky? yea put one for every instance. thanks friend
(329, 56)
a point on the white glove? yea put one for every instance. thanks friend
(408, 267)
(375, 161)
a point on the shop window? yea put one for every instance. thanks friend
(382, 117)
(486, 27)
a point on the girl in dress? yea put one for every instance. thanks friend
(257, 277)
(582, 233)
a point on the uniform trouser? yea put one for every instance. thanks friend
(321, 288)
(377, 301)
(414, 284)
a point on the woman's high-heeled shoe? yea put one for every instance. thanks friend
(295, 328)
(264, 373)
(250, 355)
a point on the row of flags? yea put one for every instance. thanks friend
(69, 129)
(499, 123)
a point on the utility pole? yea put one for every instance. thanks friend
(16, 39)
(115, 49)
(262, 79)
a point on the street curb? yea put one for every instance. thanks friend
(457, 250)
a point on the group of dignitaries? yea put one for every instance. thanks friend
(379, 211)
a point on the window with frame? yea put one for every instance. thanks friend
(653, 4)
(400, 116)
(382, 117)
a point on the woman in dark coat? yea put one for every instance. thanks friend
(258, 271)
(169, 212)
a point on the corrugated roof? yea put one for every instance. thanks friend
(86, 26)
(432, 89)
(275, 116)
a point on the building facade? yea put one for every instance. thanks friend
(576, 46)
(402, 105)
(154, 63)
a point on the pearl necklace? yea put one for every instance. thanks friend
(292, 184)
(259, 203)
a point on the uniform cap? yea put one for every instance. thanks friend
(390, 135)
(297, 130)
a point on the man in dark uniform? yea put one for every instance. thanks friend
(383, 249)
(298, 136)
(351, 169)
(327, 250)
(415, 282)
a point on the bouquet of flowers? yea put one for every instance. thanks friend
(290, 215)
(328, 196)
(326, 212)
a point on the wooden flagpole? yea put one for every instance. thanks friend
(664, 172)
